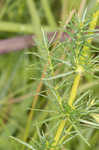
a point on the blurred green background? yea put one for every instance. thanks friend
(16, 68)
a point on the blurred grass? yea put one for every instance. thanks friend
(16, 88)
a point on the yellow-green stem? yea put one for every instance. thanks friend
(74, 89)
(58, 133)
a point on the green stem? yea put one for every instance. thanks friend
(15, 27)
(48, 13)
(3, 10)
(22, 28)
(34, 17)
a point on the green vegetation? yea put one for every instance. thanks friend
(49, 97)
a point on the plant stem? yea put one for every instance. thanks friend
(29, 121)
(58, 133)
(48, 13)
(3, 10)
(70, 102)
(34, 18)
(15, 27)
(22, 28)
(74, 89)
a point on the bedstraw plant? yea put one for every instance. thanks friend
(70, 108)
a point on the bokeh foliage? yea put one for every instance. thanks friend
(17, 70)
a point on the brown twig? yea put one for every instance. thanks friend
(15, 44)
(19, 43)
(30, 116)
